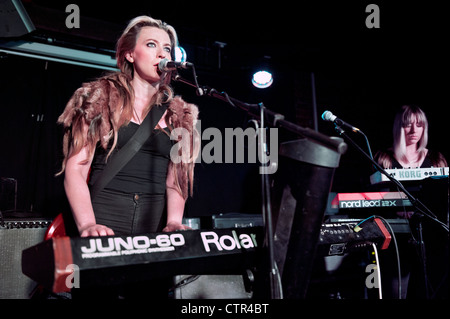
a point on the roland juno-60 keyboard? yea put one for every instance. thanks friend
(100, 261)
(410, 174)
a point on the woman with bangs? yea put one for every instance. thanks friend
(410, 134)
(409, 150)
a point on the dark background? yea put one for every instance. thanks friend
(362, 75)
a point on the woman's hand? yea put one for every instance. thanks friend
(96, 230)
(174, 226)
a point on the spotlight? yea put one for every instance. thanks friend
(262, 79)
(180, 54)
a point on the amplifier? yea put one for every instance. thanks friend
(216, 286)
(237, 220)
(17, 234)
(210, 287)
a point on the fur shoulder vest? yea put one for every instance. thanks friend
(97, 106)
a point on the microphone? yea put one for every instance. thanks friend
(165, 65)
(328, 116)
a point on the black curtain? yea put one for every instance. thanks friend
(33, 94)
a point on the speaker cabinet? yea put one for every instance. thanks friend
(15, 236)
(210, 287)
(218, 286)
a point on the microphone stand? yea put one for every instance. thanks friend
(424, 211)
(258, 111)
(274, 276)
(276, 119)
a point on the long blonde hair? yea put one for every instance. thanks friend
(83, 103)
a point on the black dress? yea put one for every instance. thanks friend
(134, 200)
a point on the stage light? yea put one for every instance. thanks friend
(180, 54)
(262, 79)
